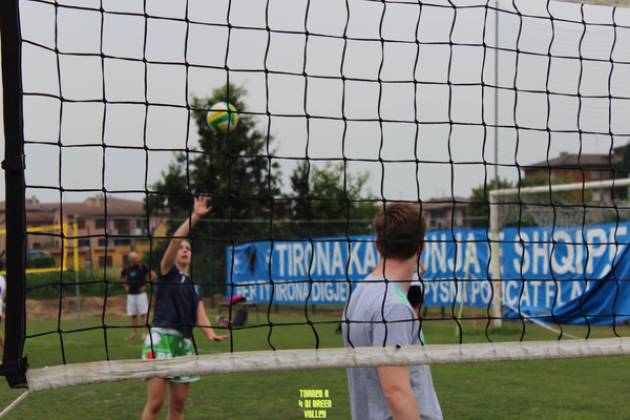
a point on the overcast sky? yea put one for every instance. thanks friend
(82, 78)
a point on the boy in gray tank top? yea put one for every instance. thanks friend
(378, 314)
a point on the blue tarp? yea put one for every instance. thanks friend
(572, 274)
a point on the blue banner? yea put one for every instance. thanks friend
(456, 268)
(569, 275)
(321, 270)
(573, 274)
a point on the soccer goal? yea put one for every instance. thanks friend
(303, 119)
(560, 232)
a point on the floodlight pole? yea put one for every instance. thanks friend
(496, 96)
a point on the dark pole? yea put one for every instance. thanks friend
(13, 362)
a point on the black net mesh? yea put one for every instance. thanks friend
(343, 108)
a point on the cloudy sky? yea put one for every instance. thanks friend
(366, 59)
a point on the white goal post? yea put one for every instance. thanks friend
(495, 226)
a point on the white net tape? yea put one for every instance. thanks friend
(98, 372)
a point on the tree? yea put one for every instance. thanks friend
(478, 211)
(324, 206)
(556, 197)
(239, 174)
(235, 171)
(623, 167)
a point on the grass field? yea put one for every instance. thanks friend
(594, 388)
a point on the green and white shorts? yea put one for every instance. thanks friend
(165, 343)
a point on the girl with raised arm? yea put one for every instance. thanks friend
(178, 308)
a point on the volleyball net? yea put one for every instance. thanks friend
(478, 110)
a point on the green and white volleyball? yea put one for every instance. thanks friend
(223, 117)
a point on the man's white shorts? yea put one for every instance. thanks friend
(137, 304)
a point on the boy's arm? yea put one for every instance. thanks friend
(395, 329)
(152, 278)
(148, 273)
(204, 323)
(398, 392)
(200, 209)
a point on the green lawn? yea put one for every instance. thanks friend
(594, 388)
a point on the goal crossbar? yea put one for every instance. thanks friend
(261, 361)
(620, 3)
(614, 183)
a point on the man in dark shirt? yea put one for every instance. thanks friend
(134, 279)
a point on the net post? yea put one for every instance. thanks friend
(495, 262)
(13, 363)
